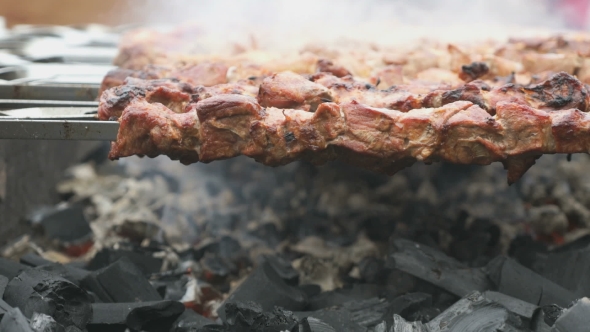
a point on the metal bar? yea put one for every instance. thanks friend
(58, 130)
(68, 92)
(17, 103)
(52, 113)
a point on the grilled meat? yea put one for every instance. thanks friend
(292, 91)
(292, 118)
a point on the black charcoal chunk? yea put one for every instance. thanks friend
(114, 313)
(145, 262)
(190, 321)
(574, 319)
(3, 284)
(356, 292)
(437, 268)
(10, 268)
(155, 317)
(406, 305)
(211, 328)
(475, 313)
(45, 323)
(92, 285)
(337, 318)
(310, 290)
(66, 224)
(284, 269)
(4, 308)
(72, 274)
(265, 287)
(249, 317)
(401, 325)
(514, 305)
(551, 313)
(515, 280)
(544, 318)
(40, 291)
(14, 321)
(310, 324)
(569, 269)
(34, 260)
(367, 313)
(122, 282)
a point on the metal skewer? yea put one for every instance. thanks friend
(56, 124)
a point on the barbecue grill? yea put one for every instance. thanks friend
(186, 248)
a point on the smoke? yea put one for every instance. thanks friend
(291, 23)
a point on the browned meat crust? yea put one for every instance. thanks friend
(525, 123)
(289, 90)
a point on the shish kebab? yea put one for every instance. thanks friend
(323, 118)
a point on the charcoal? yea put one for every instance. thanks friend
(122, 282)
(72, 274)
(367, 313)
(265, 287)
(242, 313)
(34, 260)
(435, 267)
(4, 308)
(39, 291)
(517, 281)
(310, 290)
(94, 287)
(337, 318)
(269, 233)
(538, 323)
(525, 250)
(66, 224)
(284, 269)
(406, 305)
(226, 247)
(155, 317)
(3, 284)
(111, 314)
(211, 328)
(381, 327)
(145, 262)
(355, 292)
(189, 321)
(475, 313)
(372, 270)
(72, 328)
(514, 305)
(10, 268)
(424, 315)
(580, 243)
(401, 325)
(45, 323)
(310, 324)
(14, 321)
(249, 317)
(574, 319)
(215, 268)
(569, 269)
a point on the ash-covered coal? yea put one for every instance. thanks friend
(236, 246)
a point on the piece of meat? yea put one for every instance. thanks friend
(289, 90)
(378, 139)
(473, 71)
(327, 66)
(170, 93)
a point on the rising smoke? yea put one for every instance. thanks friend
(279, 23)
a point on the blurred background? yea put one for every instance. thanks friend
(298, 14)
